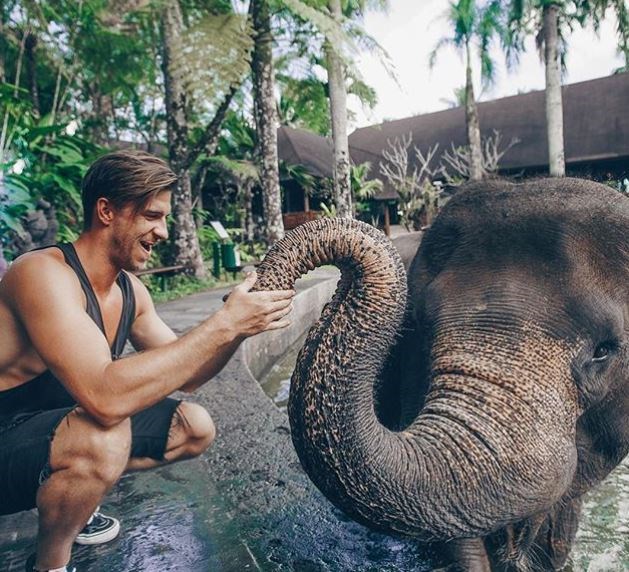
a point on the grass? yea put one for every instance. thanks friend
(164, 289)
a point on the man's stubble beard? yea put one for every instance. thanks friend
(122, 254)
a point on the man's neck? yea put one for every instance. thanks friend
(94, 255)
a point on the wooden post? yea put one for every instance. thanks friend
(387, 219)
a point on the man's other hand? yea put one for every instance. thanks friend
(253, 312)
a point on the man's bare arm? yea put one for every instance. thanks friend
(77, 353)
(149, 331)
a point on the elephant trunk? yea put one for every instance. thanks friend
(449, 473)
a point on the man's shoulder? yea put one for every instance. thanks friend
(47, 260)
(39, 269)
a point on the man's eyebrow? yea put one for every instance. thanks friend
(153, 212)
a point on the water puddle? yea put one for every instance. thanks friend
(276, 383)
(602, 543)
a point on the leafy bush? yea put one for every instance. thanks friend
(52, 165)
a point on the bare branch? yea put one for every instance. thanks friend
(456, 160)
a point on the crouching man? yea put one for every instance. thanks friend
(74, 417)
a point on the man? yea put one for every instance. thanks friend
(73, 417)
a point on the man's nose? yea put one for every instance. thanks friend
(161, 230)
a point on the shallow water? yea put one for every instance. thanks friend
(602, 543)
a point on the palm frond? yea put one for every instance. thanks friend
(213, 55)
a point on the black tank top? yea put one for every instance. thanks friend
(45, 391)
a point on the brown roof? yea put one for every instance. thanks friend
(596, 127)
(301, 147)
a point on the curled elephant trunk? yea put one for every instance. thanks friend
(444, 476)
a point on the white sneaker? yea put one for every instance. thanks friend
(99, 529)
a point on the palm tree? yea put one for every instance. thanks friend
(596, 10)
(187, 247)
(472, 24)
(338, 113)
(337, 22)
(546, 19)
(182, 154)
(265, 113)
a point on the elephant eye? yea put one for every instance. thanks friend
(602, 352)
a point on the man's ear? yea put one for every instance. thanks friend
(104, 211)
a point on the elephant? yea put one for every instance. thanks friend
(506, 359)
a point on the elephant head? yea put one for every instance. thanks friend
(515, 362)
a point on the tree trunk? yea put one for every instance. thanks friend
(98, 115)
(266, 119)
(30, 45)
(554, 110)
(5, 122)
(472, 124)
(185, 239)
(247, 205)
(338, 112)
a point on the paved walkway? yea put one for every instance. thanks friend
(245, 505)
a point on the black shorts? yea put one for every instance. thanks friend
(25, 449)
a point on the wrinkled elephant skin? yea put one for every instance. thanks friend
(501, 384)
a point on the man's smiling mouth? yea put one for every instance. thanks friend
(147, 246)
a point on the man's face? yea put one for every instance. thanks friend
(135, 233)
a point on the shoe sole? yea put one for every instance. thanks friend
(102, 538)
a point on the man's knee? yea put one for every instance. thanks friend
(97, 452)
(198, 426)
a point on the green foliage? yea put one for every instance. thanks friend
(238, 137)
(302, 28)
(300, 175)
(473, 22)
(595, 11)
(622, 186)
(163, 289)
(362, 187)
(53, 166)
(304, 104)
(15, 202)
(226, 41)
(525, 18)
(207, 237)
(328, 211)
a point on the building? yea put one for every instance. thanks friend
(596, 134)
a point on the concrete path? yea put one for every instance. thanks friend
(245, 505)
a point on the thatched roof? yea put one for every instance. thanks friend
(596, 127)
(301, 147)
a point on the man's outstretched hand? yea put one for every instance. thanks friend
(253, 312)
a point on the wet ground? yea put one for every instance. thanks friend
(247, 505)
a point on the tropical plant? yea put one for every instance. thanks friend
(337, 93)
(456, 161)
(333, 28)
(472, 24)
(549, 21)
(363, 187)
(266, 118)
(595, 11)
(363, 190)
(182, 80)
(42, 196)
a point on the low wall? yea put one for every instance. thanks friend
(262, 351)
